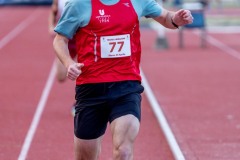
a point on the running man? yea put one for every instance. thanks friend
(107, 73)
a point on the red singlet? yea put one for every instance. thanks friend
(109, 46)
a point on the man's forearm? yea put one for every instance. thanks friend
(166, 19)
(60, 45)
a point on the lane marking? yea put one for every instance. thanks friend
(10, 36)
(221, 45)
(177, 153)
(18, 29)
(209, 29)
(223, 29)
(38, 113)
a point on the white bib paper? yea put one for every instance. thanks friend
(115, 46)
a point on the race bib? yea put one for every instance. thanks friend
(115, 46)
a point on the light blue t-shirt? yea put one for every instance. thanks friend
(77, 13)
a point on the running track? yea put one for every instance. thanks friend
(197, 89)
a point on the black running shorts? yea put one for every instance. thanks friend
(100, 103)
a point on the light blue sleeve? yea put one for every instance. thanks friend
(147, 8)
(76, 14)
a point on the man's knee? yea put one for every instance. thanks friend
(123, 152)
(87, 149)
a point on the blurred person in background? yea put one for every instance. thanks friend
(107, 73)
(205, 3)
(55, 13)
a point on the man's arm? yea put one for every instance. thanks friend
(60, 44)
(172, 20)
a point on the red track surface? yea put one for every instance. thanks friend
(199, 93)
(198, 90)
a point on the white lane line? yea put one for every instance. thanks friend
(177, 153)
(18, 29)
(223, 29)
(221, 46)
(37, 115)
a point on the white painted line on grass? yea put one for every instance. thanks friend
(37, 115)
(177, 153)
(18, 29)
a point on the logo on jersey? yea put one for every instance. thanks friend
(126, 4)
(101, 12)
(102, 17)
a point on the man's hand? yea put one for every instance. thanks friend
(74, 70)
(182, 17)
